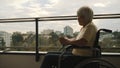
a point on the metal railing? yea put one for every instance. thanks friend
(58, 18)
(54, 18)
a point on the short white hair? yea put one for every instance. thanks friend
(85, 12)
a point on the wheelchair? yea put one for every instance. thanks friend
(96, 60)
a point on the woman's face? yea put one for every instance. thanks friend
(81, 21)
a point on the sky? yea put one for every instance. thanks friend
(43, 8)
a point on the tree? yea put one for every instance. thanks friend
(107, 42)
(54, 38)
(43, 40)
(3, 42)
(117, 38)
(17, 39)
(116, 35)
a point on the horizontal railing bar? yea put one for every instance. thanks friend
(58, 19)
(107, 17)
(36, 17)
(107, 14)
(76, 18)
(97, 16)
(61, 16)
(17, 21)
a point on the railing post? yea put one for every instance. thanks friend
(37, 49)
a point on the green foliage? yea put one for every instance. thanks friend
(51, 42)
(116, 35)
(107, 43)
(17, 39)
(3, 42)
(54, 38)
(43, 41)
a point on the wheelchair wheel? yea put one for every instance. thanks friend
(95, 63)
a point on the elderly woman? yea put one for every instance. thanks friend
(86, 37)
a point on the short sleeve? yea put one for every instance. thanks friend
(89, 33)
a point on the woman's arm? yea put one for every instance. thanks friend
(80, 42)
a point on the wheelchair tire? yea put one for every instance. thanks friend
(95, 63)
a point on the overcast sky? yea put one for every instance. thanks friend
(39, 8)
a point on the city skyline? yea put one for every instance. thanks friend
(27, 32)
(42, 31)
(47, 34)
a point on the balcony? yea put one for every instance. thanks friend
(32, 56)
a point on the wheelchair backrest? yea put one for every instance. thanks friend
(98, 35)
(96, 46)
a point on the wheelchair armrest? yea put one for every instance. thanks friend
(74, 46)
(96, 51)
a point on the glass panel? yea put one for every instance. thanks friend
(17, 36)
(110, 42)
(51, 31)
(21, 36)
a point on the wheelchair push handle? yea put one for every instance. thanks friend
(98, 35)
(106, 30)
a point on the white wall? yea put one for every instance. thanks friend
(28, 61)
(18, 61)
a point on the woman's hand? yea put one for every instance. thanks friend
(64, 41)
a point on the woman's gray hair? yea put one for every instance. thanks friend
(86, 13)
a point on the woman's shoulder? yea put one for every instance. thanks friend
(92, 26)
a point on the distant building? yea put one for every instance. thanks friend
(68, 31)
(6, 37)
(58, 32)
(46, 32)
(30, 32)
